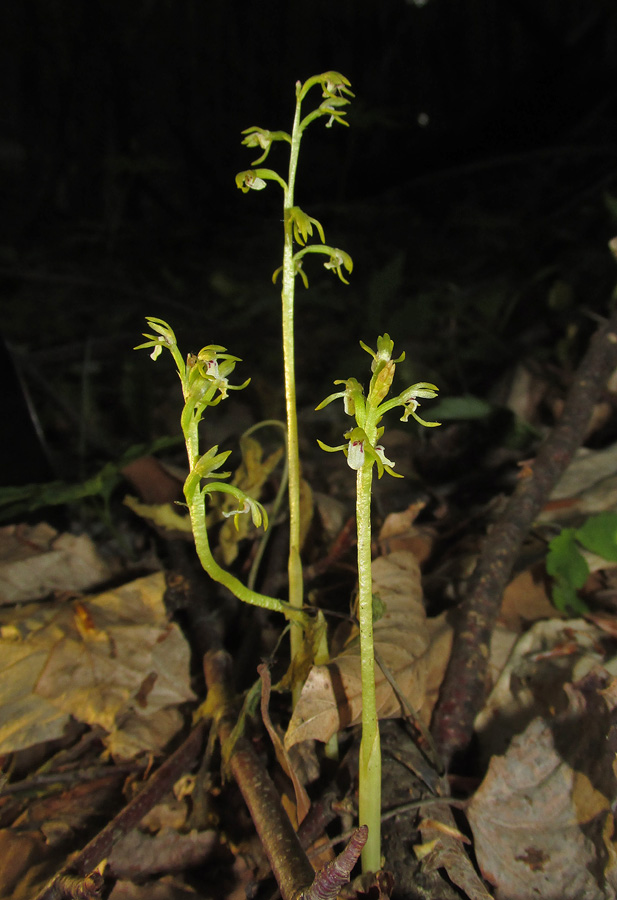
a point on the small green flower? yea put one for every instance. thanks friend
(262, 138)
(256, 510)
(385, 346)
(356, 449)
(255, 179)
(331, 107)
(210, 462)
(212, 365)
(381, 454)
(338, 259)
(359, 450)
(335, 85)
(408, 400)
(249, 181)
(302, 225)
(352, 396)
(164, 338)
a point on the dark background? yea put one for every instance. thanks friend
(476, 190)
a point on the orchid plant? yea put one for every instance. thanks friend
(298, 226)
(205, 382)
(364, 451)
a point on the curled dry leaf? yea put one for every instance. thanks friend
(36, 561)
(414, 649)
(542, 819)
(399, 532)
(531, 683)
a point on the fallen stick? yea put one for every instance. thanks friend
(463, 690)
(296, 878)
(70, 880)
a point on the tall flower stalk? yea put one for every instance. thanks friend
(297, 227)
(363, 452)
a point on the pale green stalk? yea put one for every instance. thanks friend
(294, 567)
(297, 226)
(196, 503)
(369, 793)
(363, 451)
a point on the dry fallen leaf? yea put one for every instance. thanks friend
(302, 804)
(331, 698)
(399, 532)
(444, 843)
(112, 660)
(138, 855)
(589, 485)
(532, 680)
(526, 600)
(542, 818)
(25, 861)
(36, 561)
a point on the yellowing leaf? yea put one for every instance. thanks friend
(163, 515)
(331, 698)
(250, 477)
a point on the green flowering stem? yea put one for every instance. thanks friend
(290, 268)
(369, 792)
(363, 452)
(204, 380)
(294, 565)
(195, 499)
(298, 226)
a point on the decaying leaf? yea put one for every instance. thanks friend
(112, 660)
(302, 804)
(542, 818)
(526, 600)
(531, 683)
(399, 532)
(443, 848)
(36, 561)
(25, 860)
(161, 515)
(414, 649)
(137, 854)
(589, 485)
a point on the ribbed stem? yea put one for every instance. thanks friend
(370, 751)
(296, 587)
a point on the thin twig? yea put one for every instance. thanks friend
(157, 786)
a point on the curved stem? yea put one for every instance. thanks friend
(195, 499)
(196, 503)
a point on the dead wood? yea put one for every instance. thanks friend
(290, 865)
(464, 687)
(82, 866)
